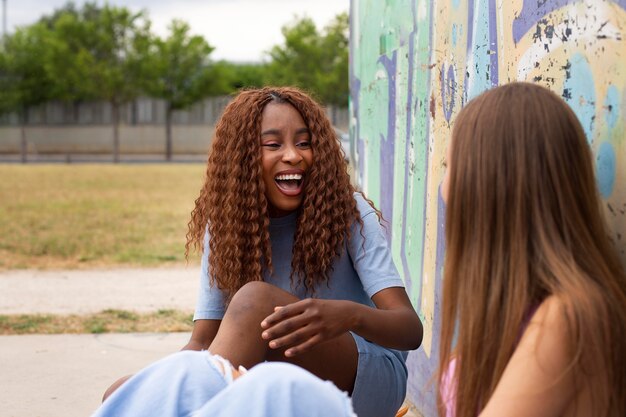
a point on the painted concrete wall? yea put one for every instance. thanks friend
(413, 66)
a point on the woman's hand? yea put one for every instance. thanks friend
(299, 326)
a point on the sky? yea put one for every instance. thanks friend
(240, 30)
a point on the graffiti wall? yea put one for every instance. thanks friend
(413, 66)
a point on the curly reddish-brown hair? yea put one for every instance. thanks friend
(233, 206)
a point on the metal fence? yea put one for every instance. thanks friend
(84, 131)
(138, 112)
(142, 111)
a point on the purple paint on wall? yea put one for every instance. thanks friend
(387, 145)
(493, 41)
(533, 11)
(470, 25)
(448, 90)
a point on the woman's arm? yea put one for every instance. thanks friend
(393, 323)
(202, 335)
(538, 380)
(302, 325)
(209, 307)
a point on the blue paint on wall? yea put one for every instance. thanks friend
(605, 169)
(479, 65)
(579, 92)
(455, 30)
(611, 106)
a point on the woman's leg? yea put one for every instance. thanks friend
(278, 390)
(239, 338)
(173, 386)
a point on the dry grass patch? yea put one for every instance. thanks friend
(107, 321)
(95, 215)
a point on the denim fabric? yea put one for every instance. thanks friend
(186, 384)
(381, 379)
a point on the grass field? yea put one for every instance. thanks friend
(98, 215)
(107, 321)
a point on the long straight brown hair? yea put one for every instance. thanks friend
(524, 222)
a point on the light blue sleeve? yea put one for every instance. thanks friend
(370, 252)
(210, 304)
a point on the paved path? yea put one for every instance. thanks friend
(90, 291)
(66, 375)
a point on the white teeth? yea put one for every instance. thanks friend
(288, 177)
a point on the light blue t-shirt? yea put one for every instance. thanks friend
(364, 268)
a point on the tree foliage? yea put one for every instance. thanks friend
(177, 68)
(313, 60)
(104, 52)
(24, 80)
(93, 53)
(239, 76)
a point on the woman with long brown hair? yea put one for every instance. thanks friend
(296, 267)
(534, 295)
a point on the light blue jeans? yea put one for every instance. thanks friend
(189, 384)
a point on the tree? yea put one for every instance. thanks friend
(315, 61)
(240, 76)
(93, 54)
(178, 70)
(24, 81)
(335, 59)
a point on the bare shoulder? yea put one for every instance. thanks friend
(538, 379)
(550, 313)
(546, 338)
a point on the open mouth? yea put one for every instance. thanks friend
(289, 184)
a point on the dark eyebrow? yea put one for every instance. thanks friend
(271, 132)
(277, 132)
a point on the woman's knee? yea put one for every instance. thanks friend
(258, 297)
(300, 391)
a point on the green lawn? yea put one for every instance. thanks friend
(107, 321)
(95, 215)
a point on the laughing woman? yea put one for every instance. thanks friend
(295, 266)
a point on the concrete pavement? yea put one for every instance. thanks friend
(66, 375)
(91, 291)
